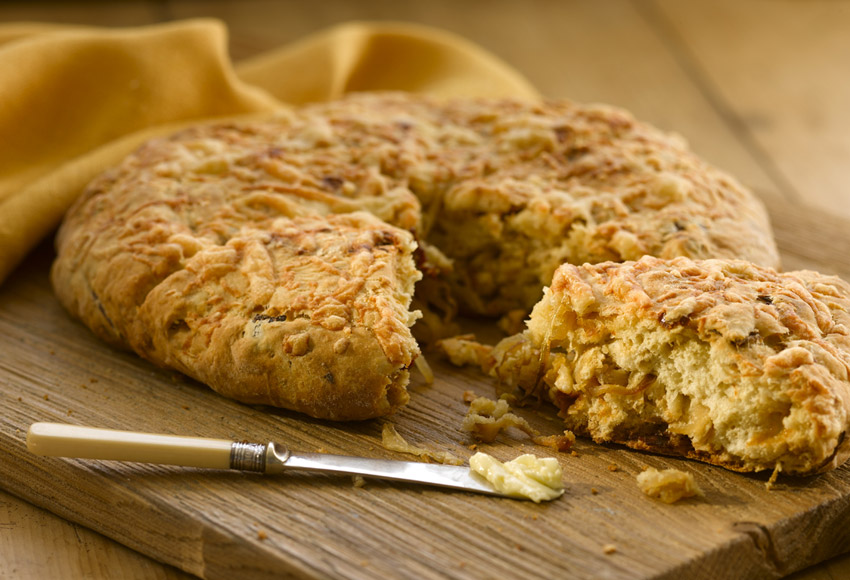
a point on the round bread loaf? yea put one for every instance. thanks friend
(275, 259)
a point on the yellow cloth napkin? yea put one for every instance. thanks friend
(75, 100)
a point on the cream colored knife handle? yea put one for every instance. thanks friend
(60, 440)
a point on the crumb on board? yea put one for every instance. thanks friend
(358, 481)
(668, 485)
(46, 397)
(469, 396)
(464, 350)
(574, 453)
(613, 467)
(594, 491)
(424, 369)
(560, 443)
(773, 476)
(486, 418)
(609, 549)
(392, 441)
(262, 535)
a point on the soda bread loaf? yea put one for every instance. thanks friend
(275, 259)
(717, 360)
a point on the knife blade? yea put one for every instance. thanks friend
(62, 440)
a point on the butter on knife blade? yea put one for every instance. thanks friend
(60, 440)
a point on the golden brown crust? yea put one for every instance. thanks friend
(512, 189)
(717, 360)
(305, 313)
(178, 250)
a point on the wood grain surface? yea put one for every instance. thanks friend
(758, 87)
(225, 524)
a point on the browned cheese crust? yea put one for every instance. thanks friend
(717, 360)
(241, 253)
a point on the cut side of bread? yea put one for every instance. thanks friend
(717, 360)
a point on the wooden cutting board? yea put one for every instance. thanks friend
(229, 524)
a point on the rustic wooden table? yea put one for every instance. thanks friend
(759, 87)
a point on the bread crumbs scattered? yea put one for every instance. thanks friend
(574, 453)
(773, 476)
(486, 418)
(612, 467)
(46, 397)
(424, 369)
(609, 549)
(358, 481)
(93, 380)
(469, 396)
(594, 491)
(560, 443)
(464, 350)
(261, 535)
(669, 485)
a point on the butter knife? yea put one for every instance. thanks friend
(61, 440)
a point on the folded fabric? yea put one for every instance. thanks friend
(77, 99)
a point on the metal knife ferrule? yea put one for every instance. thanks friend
(246, 456)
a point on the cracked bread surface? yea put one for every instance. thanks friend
(509, 190)
(241, 252)
(717, 360)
